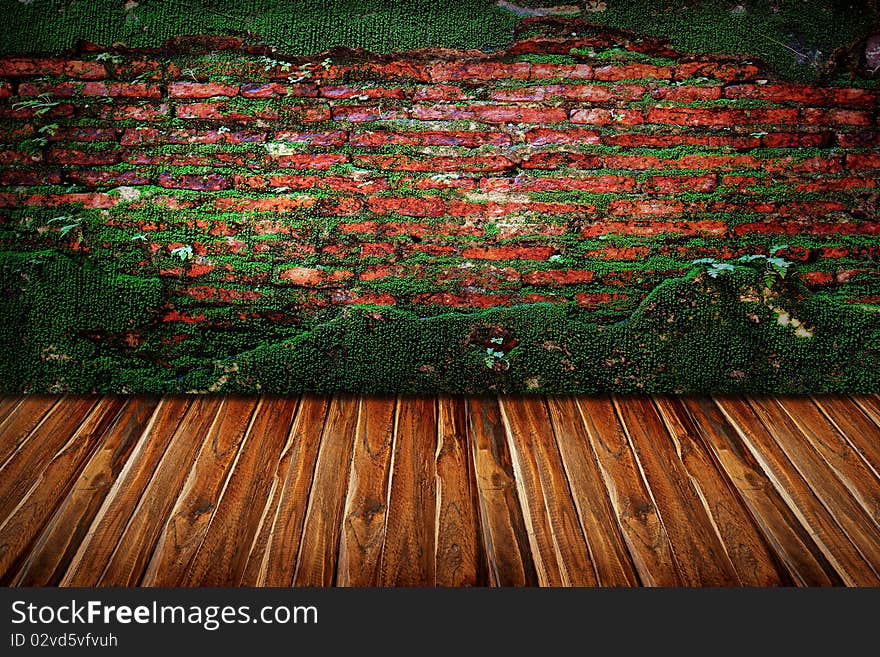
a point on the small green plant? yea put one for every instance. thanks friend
(184, 252)
(40, 104)
(109, 57)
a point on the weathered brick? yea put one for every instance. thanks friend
(724, 72)
(616, 72)
(408, 207)
(200, 90)
(862, 161)
(224, 111)
(144, 112)
(437, 92)
(209, 182)
(470, 300)
(804, 94)
(371, 139)
(596, 299)
(601, 116)
(509, 252)
(552, 136)
(24, 66)
(565, 71)
(797, 140)
(122, 89)
(326, 138)
(308, 160)
(718, 117)
(489, 113)
(365, 113)
(679, 184)
(652, 207)
(277, 90)
(71, 156)
(344, 92)
(309, 277)
(685, 93)
(459, 70)
(435, 163)
(820, 116)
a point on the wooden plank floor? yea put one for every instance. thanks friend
(448, 491)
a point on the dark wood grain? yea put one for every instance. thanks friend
(637, 516)
(409, 547)
(96, 548)
(850, 564)
(16, 427)
(791, 541)
(319, 544)
(559, 547)
(363, 526)
(698, 550)
(460, 559)
(751, 556)
(856, 427)
(133, 551)
(273, 553)
(447, 491)
(220, 559)
(187, 524)
(503, 528)
(19, 529)
(53, 550)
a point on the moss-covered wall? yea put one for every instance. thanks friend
(575, 213)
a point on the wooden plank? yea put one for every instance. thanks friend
(319, 544)
(363, 525)
(503, 528)
(870, 405)
(18, 425)
(751, 556)
(53, 550)
(47, 437)
(614, 567)
(559, 547)
(8, 405)
(409, 547)
(847, 560)
(791, 541)
(459, 556)
(37, 504)
(132, 553)
(856, 426)
(638, 518)
(273, 553)
(185, 529)
(853, 472)
(828, 488)
(698, 550)
(220, 559)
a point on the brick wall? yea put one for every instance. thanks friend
(580, 170)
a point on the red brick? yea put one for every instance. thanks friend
(29, 177)
(556, 277)
(320, 161)
(550, 136)
(343, 92)
(375, 250)
(209, 182)
(271, 204)
(122, 89)
(307, 277)
(383, 299)
(99, 178)
(20, 66)
(565, 71)
(804, 94)
(725, 72)
(678, 184)
(408, 207)
(186, 318)
(862, 161)
(200, 90)
(489, 113)
(435, 163)
(328, 138)
(89, 200)
(440, 92)
(92, 158)
(458, 70)
(597, 184)
(685, 93)
(429, 138)
(305, 113)
(365, 113)
(861, 139)
(797, 140)
(600, 116)
(143, 112)
(651, 228)
(278, 90)
(718, 117)
(836, 184)
(508, 252)
(818, 116)
(653, 207)
(615, 72)
(679, 138)
(5, 90)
